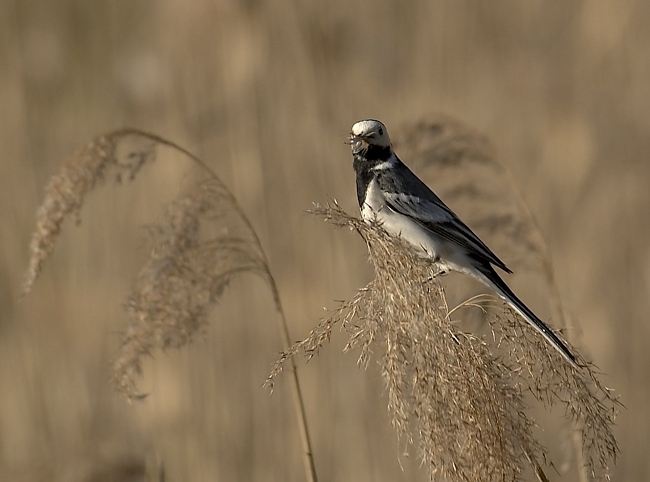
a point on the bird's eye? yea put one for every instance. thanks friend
(381, 131)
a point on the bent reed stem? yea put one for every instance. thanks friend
(301, 414)
(65, 196)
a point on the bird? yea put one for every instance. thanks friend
(390, 194)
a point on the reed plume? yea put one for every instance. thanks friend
(184, 277)
(456, 397)
(66, 191)
(201, 242)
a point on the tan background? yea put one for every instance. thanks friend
(266, 92)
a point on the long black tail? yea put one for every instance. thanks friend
(494, 281)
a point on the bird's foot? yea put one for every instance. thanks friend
(439, 272)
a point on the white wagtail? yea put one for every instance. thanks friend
(389, 193)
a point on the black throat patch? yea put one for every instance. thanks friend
(363, 164)
(377, 154)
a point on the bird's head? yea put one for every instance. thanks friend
(368, 135)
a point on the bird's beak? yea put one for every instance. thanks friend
(356, 142)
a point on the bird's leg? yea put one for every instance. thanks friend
(439, 270)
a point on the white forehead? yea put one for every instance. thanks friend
(366, 126)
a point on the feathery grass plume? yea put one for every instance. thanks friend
(449, 393)
(202, 242)
(187, 270)
(587, 402)
(66, 191)
(185, 275)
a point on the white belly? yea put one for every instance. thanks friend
(448, 256)
(396, 224)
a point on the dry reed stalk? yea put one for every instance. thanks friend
(457, 400)
(194, 256)
(449, 395)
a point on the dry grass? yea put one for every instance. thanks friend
(66, 192)
(202, 241)
(267, 93)
(185, 276)
(449, 395)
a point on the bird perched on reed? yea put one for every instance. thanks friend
(391, 194)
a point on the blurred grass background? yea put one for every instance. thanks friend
(265, 92)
